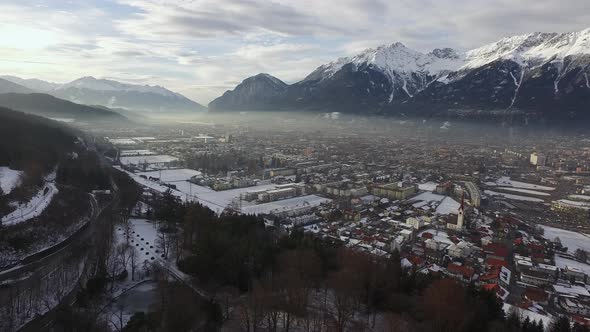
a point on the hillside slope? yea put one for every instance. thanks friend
(49, 106)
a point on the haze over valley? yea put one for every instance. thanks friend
(295, 166)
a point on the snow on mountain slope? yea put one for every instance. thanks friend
(531, 49)
(32, 83)
(544, 75)
(92, 83)
(527, 50)
(396, 58)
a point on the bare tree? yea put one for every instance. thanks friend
(117, 317)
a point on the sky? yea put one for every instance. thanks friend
(202, 48)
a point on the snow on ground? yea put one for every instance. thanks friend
(32, 208)
(215, 200)
(286, 204)
(505, 181)
(9, 179)
(585, 205)
(580, 197)
(514, 197)
(525, 191)
(439, 236)
(569, 239)
(140, 298)
(219, 200)
(562, 262)
(428, 186)
(144, 237)
(547, 319)
(448, 206)
(172, 175)
(153, 159)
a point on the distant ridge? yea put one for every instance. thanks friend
(113, 94)
(49, 106)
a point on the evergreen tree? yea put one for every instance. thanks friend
(561, 324)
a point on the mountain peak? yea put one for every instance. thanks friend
(445, 53)
(270, 78)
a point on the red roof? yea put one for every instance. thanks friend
(535, 294)
(490, 287)
(492, 274)
(581, 320)
(496, 250)
(465, 271)
(536, 246)
(427, 235)
(415, 260)
(494, 262)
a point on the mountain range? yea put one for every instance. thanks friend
(92, 91)
(536, 75)
(51, 107)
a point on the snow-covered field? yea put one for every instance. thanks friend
(215, 200)
(514, 197)
(505, 181)
(219, 200)
(535, 316)
(524, 191)
(9, 179)
(32, 208)
(569, 239)
(286, 204)
(562, 262)
(144, 237)
(172, 175)
(152, 159)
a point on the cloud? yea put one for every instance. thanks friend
(203, 47)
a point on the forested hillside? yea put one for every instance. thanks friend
(29, 142)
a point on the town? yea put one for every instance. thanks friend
(507, 215)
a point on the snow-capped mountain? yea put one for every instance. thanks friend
(91, 83)
(537, 73)
(532, 49)
(7, 86)
(92, 91)
(408, 71)
(32, 83)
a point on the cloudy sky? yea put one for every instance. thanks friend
(204, 47)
